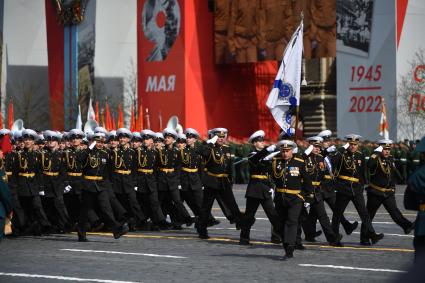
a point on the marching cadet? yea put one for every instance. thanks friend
(315, 168)
(146, 182)
(159, 141)
(97, 170)
(136, 141)
(328, 188)
(217, 179)
(190, 178)
(349, 167)
(259, 191)
(26, 175)
(169, 181)
(112, 139)
(381, 190)
(53, 177)
(181, 141)
(123, 160)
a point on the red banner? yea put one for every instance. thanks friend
(161, 65)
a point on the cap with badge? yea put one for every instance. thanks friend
(286, 144)
(28, 133)
(353, 138)
(385, 143)
(51, 135)
(124, 132)
(40, 139)
(136, 137)
(17, 136)
(100, 130)
(99, 137)
(191, 133)
(220, 132)
(181, 138)
(76, 134)
(112, 136)
(148, 134)
(315, 141)
(169, 132)
(325, 135)
(159, 137)
(257, 136)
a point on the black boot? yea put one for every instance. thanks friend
(289, 251)
(352, 228)
(202, 233)
(407, 230)
(122, 230)
(376, 238)
(244, 237)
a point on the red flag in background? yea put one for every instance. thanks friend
(120, 117)
(108, 121)
(132, 121)
(140, 119)
(96, 113)
(10, 115)
(5, 144)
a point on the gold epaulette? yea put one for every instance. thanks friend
(299, 159)
(226, 145)
(373, 156)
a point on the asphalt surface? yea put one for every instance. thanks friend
(179, 256)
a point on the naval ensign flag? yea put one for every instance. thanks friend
(285, 95)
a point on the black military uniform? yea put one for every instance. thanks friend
(27, 177)
(381, 190)
(315, 168)
(146, 181)
(169, 181)
(53, 177)
(217, 180)
(259, 191)
(97, 170)
(123, 177)
(350, 174)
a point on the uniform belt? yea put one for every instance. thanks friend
(51, 173)
(262, 177)
(75, 174)
(167, 170)
(123, 172)
(223, 175)
(351, 179)
(27, 175)
(8, 173)
(384, 190)
(290, 191)
(190, 170)
(315, 183)
(93, 178)
(422, 207)
(328, 177)
(147, 171)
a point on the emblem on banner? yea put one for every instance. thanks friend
(70, 12)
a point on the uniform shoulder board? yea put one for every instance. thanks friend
(226, 145)
(299, 159)
(373, 156)
(319, 155)
(104, 151)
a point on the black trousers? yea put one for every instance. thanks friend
(248, 218)
(193, 198)
(56, 211)
(310, 225)
(374, 202)
(318, 209)
(102, 200)
(289, 209)
(19, 218)
(119, 211)
(129, 202)
(34, 210)
(341, 203)
(150, 205)
(171, 202)
(227, 197)
(419, 246)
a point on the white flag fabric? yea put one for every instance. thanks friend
(79, 124)
(285, 95)
(91, 115)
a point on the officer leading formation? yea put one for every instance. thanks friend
(123, 181)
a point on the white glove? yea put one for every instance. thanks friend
(271, 155)
(306, 205)
(92, 145)
(271, 148)
(271, 191)
(346, 145)
(136, 188)
(179, 187)
(213, 140)
(379, 149)
(308, 150)
(331, 149)
(41, 193)
(67, 189)
(202, 188)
